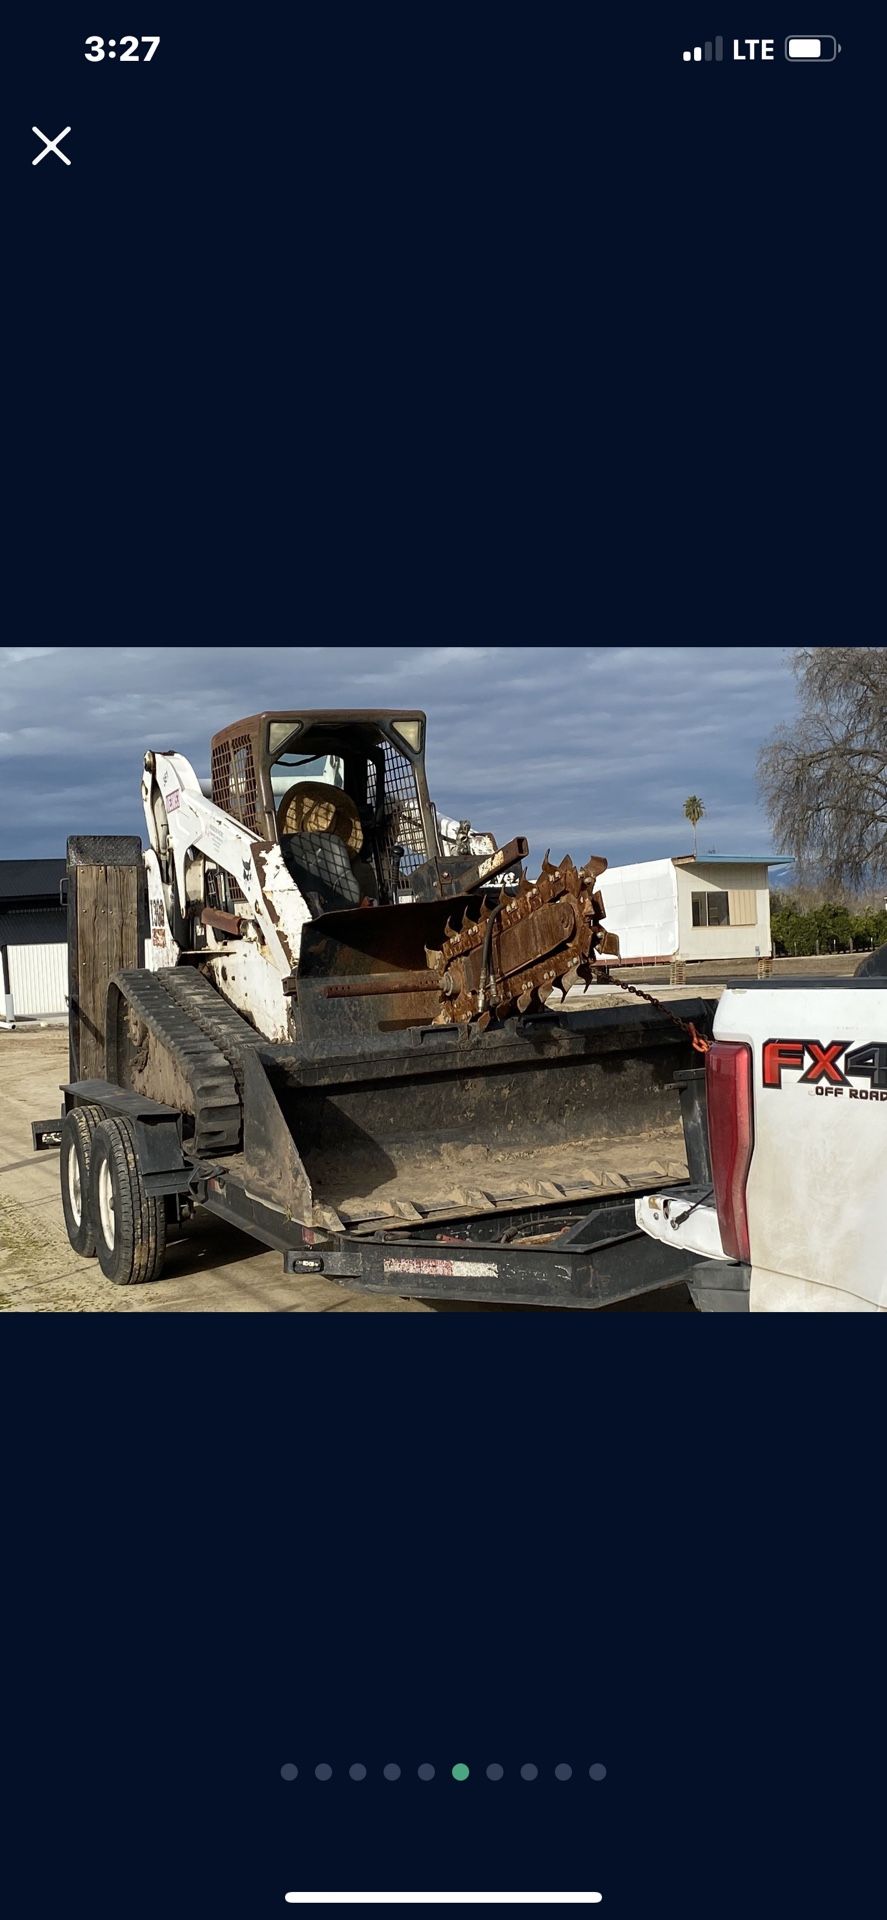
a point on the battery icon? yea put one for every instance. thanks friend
(811, 46)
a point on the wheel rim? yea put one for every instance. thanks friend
(75, 1196)
(106, 1204)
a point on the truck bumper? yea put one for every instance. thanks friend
(720, 1286)
(685, 1220)
(682, 1217)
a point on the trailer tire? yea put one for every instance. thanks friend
(129, 1224)
(75, 1154)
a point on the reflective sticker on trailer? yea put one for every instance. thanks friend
(444, 1269)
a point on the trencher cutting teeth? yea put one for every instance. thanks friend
(509, 952)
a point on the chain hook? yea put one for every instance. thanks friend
(698, 1040)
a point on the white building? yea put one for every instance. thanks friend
(713, 908)
(33, 936)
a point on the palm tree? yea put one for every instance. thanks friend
(693, 811)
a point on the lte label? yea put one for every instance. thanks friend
(766, 49)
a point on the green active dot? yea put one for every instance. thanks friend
(460, 1772)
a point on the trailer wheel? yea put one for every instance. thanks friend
(129, 1224)
(78, 1128)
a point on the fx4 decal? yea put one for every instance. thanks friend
(830, 1066)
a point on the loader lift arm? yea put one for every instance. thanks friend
(186, 833)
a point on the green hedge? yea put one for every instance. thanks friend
(826, 929)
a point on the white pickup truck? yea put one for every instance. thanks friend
(788, 1206)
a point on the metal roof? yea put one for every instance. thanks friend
(33, 927)
(31, 879)
(732, 860)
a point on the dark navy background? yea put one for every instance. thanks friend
(392, 322)
(363, 320)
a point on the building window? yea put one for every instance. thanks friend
(711, 910)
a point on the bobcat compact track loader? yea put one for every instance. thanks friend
(341, 1040)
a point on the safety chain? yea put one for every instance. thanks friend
(700, 1044)
(677, 1220)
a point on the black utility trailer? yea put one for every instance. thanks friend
(577, 1255)
(448, 1162)
(573, 1254)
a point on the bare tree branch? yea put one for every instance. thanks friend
(824, 780)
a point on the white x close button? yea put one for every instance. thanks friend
(51, 146)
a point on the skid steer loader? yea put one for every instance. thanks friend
(344, 1039)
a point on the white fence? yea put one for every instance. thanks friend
(38, 980)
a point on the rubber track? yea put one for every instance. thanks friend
(203, 1003)
(216, 1102)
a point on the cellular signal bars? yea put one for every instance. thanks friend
(705, 51)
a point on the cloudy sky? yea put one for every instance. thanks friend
(583, 749)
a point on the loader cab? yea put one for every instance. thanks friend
(343, 793)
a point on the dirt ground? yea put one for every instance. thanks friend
(210, 1268)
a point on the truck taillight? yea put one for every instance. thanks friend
(728, 1088)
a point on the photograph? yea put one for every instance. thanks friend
(443, 876)
(444, 980)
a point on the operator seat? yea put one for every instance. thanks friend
(320, 833)
(321, 869)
